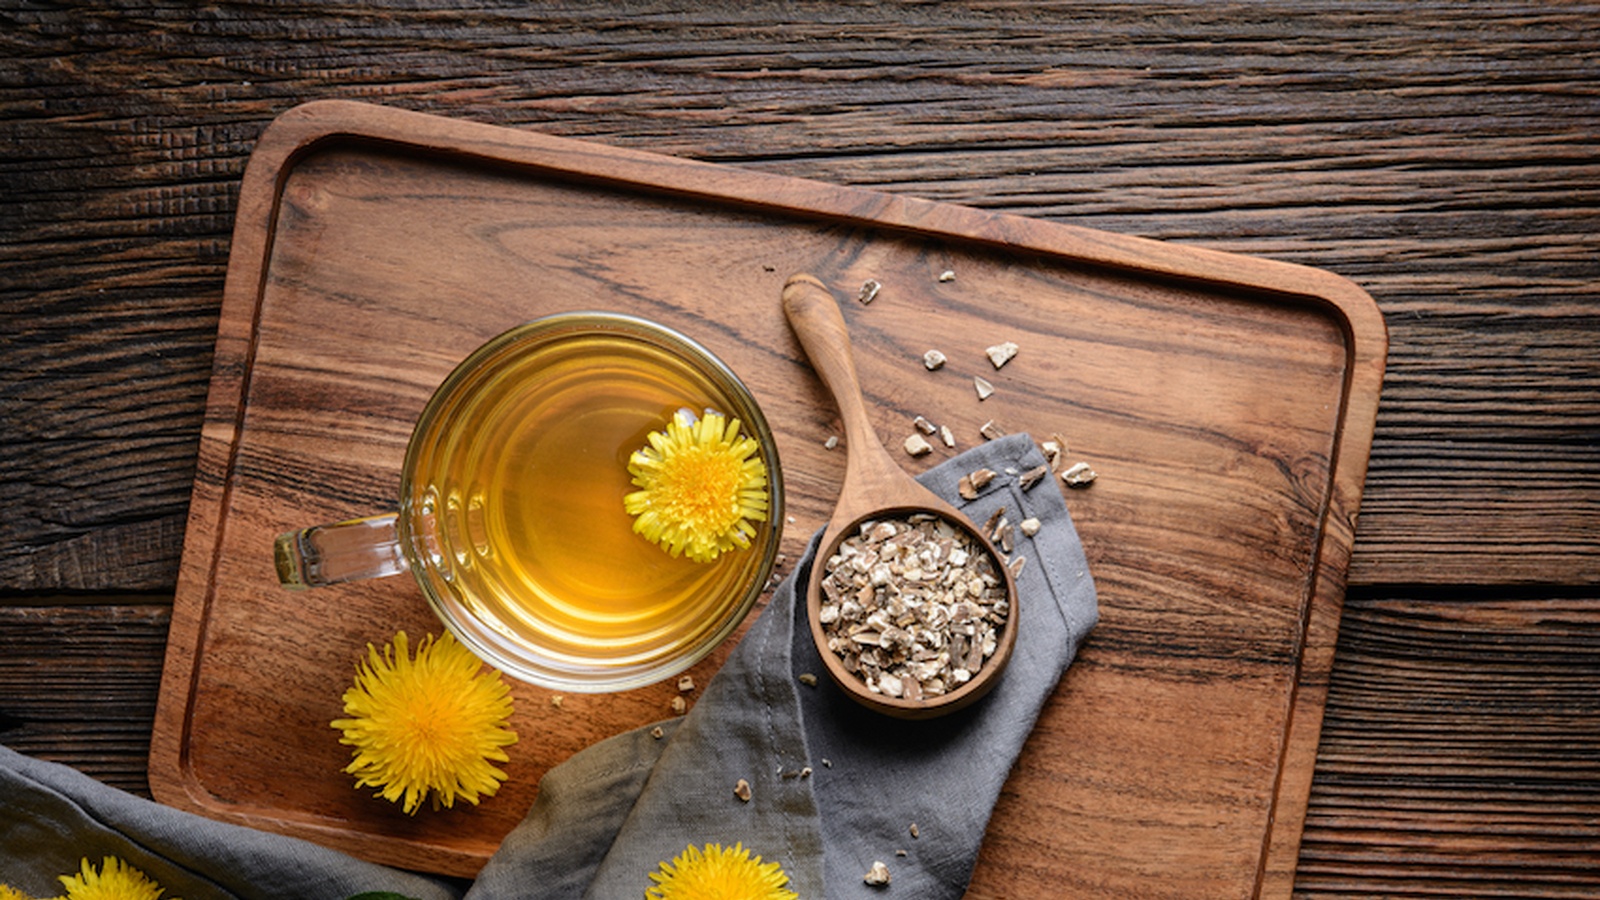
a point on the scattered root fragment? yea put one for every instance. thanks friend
(808, 679)
(831, 442)
(947, 275)
(948, 436)
(1000, 354)
(915, 831)
(658, 732)
(991, 431)
(973, 483)
(679, 706)
(1005, 537)
(1033, 476)
(924, 426)
(917, 445)
(933, 360)
(1054, 450)
(1079, 475)
(985, 389)
(742, 790)
(869, 291)
(556, 700)
(686, 683)
(1029, 526)
(878, 875)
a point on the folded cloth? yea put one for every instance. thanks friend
(833, 787)
(53, 816)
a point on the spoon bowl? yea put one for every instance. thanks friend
(877, 490)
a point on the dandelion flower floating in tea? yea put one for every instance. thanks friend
(429, 727)
(701, 484)
(115, 880)
(719, 873)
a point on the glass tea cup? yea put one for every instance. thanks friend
(511, 515)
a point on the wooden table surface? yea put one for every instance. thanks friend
(1445, 157)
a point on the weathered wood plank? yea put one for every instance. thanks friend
(1459, 141)
(1459, 752)
(78, 686)
(1443, 157)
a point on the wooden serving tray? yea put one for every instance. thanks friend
(1227, 403)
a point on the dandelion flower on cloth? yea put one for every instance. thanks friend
(702, 484)
(428, 727)
(7, 892)
(719, 873)
(116, 880)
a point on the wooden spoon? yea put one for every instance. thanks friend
(875, 488)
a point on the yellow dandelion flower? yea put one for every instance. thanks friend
(116, 880)
(719, 873)
(7, 892)
(702, 486)
(432, 724)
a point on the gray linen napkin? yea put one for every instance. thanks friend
(53, 816)
(870, 778)
(834, 787)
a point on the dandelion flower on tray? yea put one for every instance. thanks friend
(701, 484)
(7, 892)
(428, 727)
(115, 880)
(719, 873)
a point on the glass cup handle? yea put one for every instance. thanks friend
(344, 551)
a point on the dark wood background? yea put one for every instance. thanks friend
(1445, 156)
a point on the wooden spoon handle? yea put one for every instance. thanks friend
(872, 478)
(814, 315)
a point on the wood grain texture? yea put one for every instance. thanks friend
(78, 686)
(1480, 780)
(1461, 750)
(1442, 156)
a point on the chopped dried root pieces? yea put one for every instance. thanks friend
(1030, 526)
(1000, 354)
(913, 607)
(808, 679)
(991, 431)
(917, 445)
(985, 389)
(924, 426)
(933, 359)
(869, 291)
(1079, 475)
(915, 831)
(948, 436)
(658, 732)
(831, 442)
(742, 790)
(947, 275)
(679, 705)
(686, 683)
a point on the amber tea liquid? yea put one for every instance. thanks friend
(517, 494)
